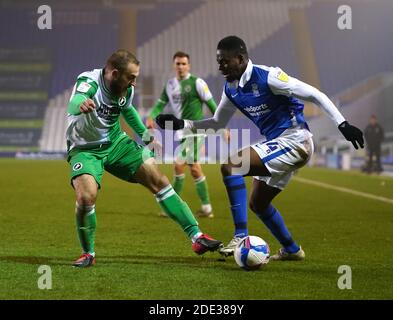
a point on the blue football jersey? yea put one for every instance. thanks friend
(271, 112)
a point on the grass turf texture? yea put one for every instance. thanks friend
(143, 256)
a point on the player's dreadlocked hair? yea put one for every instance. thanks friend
(234, 45)
(120, 59)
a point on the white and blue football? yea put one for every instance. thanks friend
(252, 253)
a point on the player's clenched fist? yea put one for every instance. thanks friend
(87, 106)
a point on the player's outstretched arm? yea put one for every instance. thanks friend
(281, 83)
(133, 119)
(352, 133)
(220, 119)
(163, 120)
(223, 114)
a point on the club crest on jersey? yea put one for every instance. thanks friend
(255, 90)
(122, 101)
(187, 88)
(77, 166)
(281, 75)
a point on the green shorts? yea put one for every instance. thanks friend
(122, 158)
(190, 149)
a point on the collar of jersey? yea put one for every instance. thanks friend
(246, 74)
(186, 78)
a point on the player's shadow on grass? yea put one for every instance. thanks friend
(200, 261)
(60, 261)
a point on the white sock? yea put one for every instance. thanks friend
(207, 208)
(196, 236)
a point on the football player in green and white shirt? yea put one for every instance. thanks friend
(186, 94)
(96, 143)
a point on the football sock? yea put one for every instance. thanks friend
(86, 224)
(202, 189)
(178, 210)
(195, 237)
(237, 193)
(178, 183)
(275, 223)
(207, 208)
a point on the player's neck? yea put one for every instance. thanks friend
(178, 77)
(243, 68)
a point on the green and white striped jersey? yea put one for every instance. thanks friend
(186, 98)
(102, 125)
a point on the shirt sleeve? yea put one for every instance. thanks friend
(220, 119)
(131, 116)
(84, 88)
(211, 104)
(282, 84)
(203, 90)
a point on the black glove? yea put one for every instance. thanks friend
(177, 123)
(351, 133)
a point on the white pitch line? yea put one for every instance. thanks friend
(332, 187)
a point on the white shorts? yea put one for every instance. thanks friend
(284, 154)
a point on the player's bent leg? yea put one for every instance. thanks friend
(202, 189)
(86, 193)
(149, 176)
(178, 183)
(86, 189)
(246, 162)
(260, 203)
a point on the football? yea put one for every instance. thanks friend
(252, 253)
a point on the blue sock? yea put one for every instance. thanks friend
(237, 193)
(275, 223)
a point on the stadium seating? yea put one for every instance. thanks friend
(55, 124)
(199, 31)
(264, 25)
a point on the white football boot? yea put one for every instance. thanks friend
(229, 249)
(206, 211)
(282, 255)
(204, 214)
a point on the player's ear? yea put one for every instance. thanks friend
(115, 74)
(241, 58)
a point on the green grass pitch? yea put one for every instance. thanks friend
(143, 256)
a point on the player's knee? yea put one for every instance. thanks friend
(264, 211)
(86, 198)
(195, 172)
(258, 205)
(226, 169)
(160, 183)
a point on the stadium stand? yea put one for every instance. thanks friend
(199, 31)
(53, 133)
(266, 27)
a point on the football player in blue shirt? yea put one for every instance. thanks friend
(269, 98)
